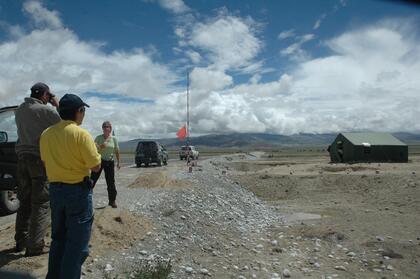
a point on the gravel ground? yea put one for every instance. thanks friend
(210, 228)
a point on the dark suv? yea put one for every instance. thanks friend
(148, 152)
(8, 161)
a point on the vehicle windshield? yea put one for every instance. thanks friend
(149, 145)
(8, 125)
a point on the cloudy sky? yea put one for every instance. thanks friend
(279, 67)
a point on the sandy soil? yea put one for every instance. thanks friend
(371, 210)
(113, 230)
(158, 179)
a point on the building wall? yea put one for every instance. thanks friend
(359, 153)
(381, 153)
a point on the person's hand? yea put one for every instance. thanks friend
(54, 101)
(102, 145)
(118, 165)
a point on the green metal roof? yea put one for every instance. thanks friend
(372, 138)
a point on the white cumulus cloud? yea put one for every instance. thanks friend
(175, 6)
(42, 16)
(205, 79)
(368, 80)
(230, 41)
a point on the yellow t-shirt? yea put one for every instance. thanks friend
(68, 152)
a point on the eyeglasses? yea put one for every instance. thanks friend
(103, 127)
(82, 109)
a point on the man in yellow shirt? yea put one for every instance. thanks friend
(69, 154)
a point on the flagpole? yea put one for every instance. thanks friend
(188, 108)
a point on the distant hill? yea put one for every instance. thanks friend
(240, 140)
(407, 137)
(258, 140)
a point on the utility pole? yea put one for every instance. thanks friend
(188, 116)
(188, 108)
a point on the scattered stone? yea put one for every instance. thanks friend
(380, 238)
(340, 267)
(108, 267)
(351, 254)
(286, 273)
(143, 252)
(188, 269)
(305, 270)
(391, 254)
(204, 271)
(277, 250)
(389, 267)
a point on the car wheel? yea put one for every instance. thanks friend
(146, 164)
(165, 162)
(159, 162)
(138, 165)
(9, 202)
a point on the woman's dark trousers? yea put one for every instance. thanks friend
(108, 167)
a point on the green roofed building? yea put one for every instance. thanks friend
(367, 147)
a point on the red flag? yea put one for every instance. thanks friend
(182, 133)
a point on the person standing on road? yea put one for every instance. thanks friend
(69, 154)
(32, 117)
(107, 145)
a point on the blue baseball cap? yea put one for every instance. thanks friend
(71, 102)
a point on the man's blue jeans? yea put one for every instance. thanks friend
(71, 223)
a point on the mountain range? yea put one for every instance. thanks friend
(256, 140)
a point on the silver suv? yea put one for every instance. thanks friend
(188, 151)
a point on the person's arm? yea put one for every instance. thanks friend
(91, 157)
(117, 152)
(98, 146)
(117, 155)
(96, 168)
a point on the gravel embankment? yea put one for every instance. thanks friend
(212, 227)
